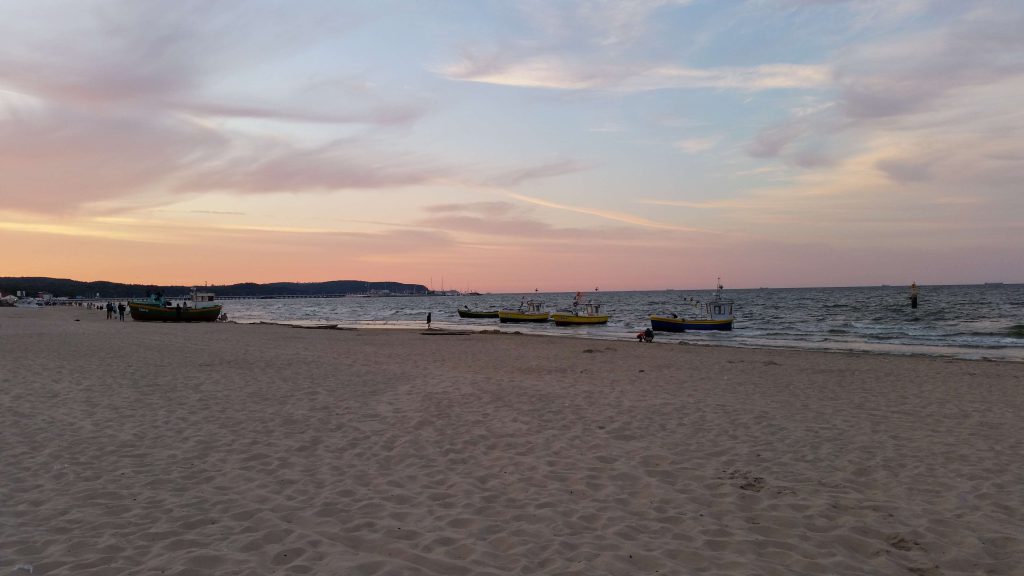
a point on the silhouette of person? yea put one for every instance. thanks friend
(428, 320)
(120, 310)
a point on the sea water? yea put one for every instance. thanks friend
(977, 321)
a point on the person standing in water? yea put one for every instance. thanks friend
(913, 295)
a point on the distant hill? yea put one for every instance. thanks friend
(72, 288)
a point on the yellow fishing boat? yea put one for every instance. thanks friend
(581, 314)
(528, 311)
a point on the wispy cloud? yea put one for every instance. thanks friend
(489, 209)
(699, 204)
(548, 170)
(696, 145)
(130, 98)
(606, 214)
(562, 73)
(922, 101)
(603, 22)
(338, 165)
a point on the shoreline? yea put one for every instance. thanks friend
(911, 350)
(135, 448)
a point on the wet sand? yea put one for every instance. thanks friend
(132, 448)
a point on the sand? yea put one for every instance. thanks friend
(132, 448)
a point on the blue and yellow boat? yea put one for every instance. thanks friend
(669, 324)
(715, 314)
(528, 311)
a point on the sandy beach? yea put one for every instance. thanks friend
(131, 448)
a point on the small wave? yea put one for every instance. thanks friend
(1015, 331)
(889, 336)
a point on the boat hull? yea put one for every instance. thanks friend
(148, 313)
(511, 316)
(721, 325)
(463, 313)
(663, 324)
(574, 320)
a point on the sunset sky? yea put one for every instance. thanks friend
(507, 146)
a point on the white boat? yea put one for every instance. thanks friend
(29, 303)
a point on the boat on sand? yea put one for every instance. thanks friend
(156, 308)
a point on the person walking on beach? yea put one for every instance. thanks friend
(120, 310)
(110, 310)
(428, 320)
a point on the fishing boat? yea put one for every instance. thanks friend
(156, 308)
(582, 313)
(528, 311)
(714, 314)
(465, 312)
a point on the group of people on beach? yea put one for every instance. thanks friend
(119, 308)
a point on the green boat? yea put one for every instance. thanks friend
(467, 313)
(158, 309)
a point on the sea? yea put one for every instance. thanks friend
(972, 322)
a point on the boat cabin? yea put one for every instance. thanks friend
(719, 309)
(533, 307)
(589, 309)
(202, 299)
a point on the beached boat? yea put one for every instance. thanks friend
(581, 314)
(156, 308)
(528, 311)
(29, 303)
(465, 312)
(714, 314)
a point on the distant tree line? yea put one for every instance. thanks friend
(62, 287)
